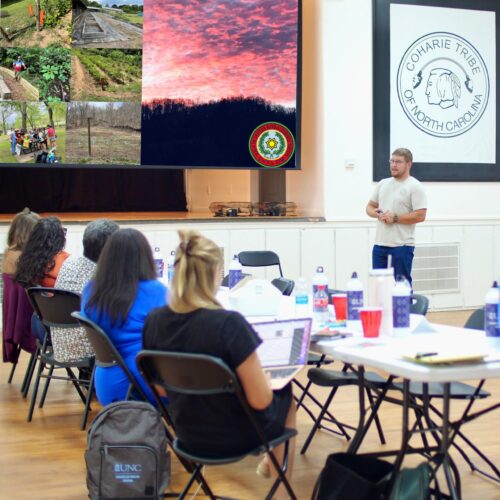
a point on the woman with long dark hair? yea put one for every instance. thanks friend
(124, 290)
(43, 254)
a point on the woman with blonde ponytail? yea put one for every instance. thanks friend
(195, 322)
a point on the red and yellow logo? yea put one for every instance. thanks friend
(271, 145)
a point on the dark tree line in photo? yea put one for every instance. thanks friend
(213, 134)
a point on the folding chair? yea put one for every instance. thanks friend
(284, 285)
(54, 308)
(106, 354)
(260, 258)
(419, 304)
(205, 376)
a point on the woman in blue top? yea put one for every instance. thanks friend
(119, 298)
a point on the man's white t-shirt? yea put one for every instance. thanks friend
(400, 197)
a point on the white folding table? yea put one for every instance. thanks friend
(385, 353)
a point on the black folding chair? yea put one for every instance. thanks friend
(284, 285)
(476, 320)
(54, 308)
(205, 376)
(106, 354)
(419, 304)
(260, 258)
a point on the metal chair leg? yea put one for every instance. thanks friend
(41, 367)
(11, 374)
(90, 391)
(46, 386)
(29, 372)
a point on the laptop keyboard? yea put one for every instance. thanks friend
(281, 372)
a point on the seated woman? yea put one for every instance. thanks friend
(119, 298)
(41, 261)
(71, 344)
(195, 322)
(16, 308)
(43, 254)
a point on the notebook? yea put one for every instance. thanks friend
(446, 356)
(284, 348)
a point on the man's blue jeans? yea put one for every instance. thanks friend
(402, 259)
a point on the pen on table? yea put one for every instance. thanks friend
(425, 354)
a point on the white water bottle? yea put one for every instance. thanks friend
(354, 302)
(319, 279)
(401, 300)
(159, 264)
(170, 266)
(491, 307)
(301, 293)
(235, 272)
(320, 304)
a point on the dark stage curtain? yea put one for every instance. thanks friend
(92, 190)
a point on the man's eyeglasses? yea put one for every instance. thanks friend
(396, 162)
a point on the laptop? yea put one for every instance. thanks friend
(284, 349)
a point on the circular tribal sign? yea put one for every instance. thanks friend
(443, 84)
(271, 144)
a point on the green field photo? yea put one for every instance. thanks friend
(30, 123)
(106, 75)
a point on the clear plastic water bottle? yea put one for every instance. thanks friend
(354, 302)
(319, 279)
(159, 263)
(170, 266)
(301, 293)
(235, 272)
(491, 306)
(320, 304)
(401, 300)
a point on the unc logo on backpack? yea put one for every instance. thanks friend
(128, 468)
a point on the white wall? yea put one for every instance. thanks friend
(347, 95)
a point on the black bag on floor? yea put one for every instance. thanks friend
(352, 477)
(126, 453)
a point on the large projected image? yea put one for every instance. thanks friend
(150, 83)
(214, 71)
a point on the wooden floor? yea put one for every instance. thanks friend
(44, 459)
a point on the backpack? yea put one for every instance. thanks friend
(353, 477)
(126, 453)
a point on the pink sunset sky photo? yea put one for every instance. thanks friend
(205, 50)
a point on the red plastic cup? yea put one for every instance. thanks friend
(371, 317)
(339, 301)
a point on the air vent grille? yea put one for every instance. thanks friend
(436, 268)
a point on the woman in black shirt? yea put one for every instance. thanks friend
(195, 322)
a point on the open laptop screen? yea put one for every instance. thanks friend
(284, 343)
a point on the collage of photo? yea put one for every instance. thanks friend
(70, 81)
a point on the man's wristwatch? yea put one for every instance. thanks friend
(395, 219)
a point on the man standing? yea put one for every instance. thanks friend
(51, 134)
(398, 203)
(18, 66)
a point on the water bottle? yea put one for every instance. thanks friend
(170, 266)
(354, 302)
(401, 299)
(319, 279)
(301, 293)
(320, 304)
(159, 264)
(491, 306)
(235, 272)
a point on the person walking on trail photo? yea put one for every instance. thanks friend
(18, 66)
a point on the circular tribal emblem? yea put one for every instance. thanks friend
(443, 84)
(271, 144)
